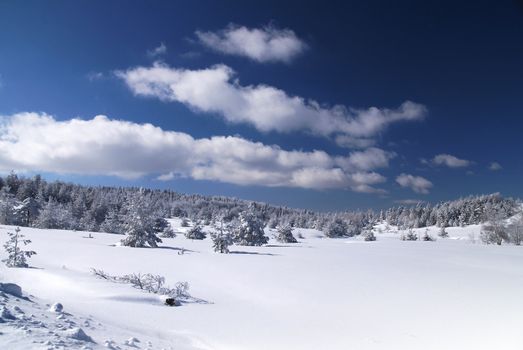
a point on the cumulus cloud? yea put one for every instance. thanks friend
(157, 51)
(494, 166)
(450, 161)
(416, 183)
(267, 44)
(101, 146)
(215, 90)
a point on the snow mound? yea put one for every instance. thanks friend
(56, 307)
(78, 334)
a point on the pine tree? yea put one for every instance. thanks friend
(16, 256)
(285, 235)
(138, 225)
(195, 232)
(250, 230)
(222, 239)
(112, 223)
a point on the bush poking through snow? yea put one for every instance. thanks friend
(337, 228)
(185, 223)
(195, 233)
(285, 235)
(409, 236)
(369, 236)
(443, 233)
(426, 237)
(16, 257)
(152, 284)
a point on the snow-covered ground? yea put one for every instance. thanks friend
(317, 294)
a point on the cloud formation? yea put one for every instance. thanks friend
(416, 183)
(450, 161)
(495, 166)
(101, 146)
(215, 90)
(157, 51)
(267, 44)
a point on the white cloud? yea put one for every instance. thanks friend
(101, 146)
(267, 44)
(214, 90)
(494, 166)
(157, 51)
(94, 76)
(450, 161)
(416, 183)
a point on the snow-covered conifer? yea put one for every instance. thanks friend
(285, 234)
(337, 228)
(16, 256)
(139, 225)
(250, 230)
(195, 232)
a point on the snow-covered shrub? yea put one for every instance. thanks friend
(515, 231)
(369, 236)
(409, 236)
(195, 232)
(426, 237)
(16, 257)
(163, 228)
(150, 283)
(337, 228)
(493, 234)
(285, 235)
(443, 233)
(184, 223)
(250, 230)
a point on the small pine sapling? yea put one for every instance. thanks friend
(443, 233)
(16, 256)
(426, 237)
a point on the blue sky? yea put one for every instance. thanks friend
(246, 74)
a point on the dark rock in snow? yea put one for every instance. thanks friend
(11, 288)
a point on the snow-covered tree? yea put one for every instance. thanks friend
(337, 228)
(443, 233)
(285, 234)
(515, 231)
(16, 256)
(494, 231)
(195, 232)
(139, 225)
(409, 236)
(184, 223)
(427, 237)
(222, 239)
(112, 223)
(250, 230)
(368, 235)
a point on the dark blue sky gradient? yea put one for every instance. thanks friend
(462, 60)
